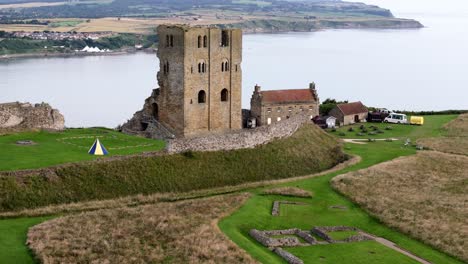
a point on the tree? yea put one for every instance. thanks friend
(327, 105)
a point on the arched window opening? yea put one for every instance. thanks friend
(172, 41)
(201, 97)
(222, 66)
(199, 41)
(203, 67)
(224, 95)
(205, 41)
(167, 66)
(224, 38)
(236, 67)
(226, 66)
(199, 68)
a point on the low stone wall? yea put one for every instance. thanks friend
(323, 233)
(265, 238)
(275, 211)
(290, 258)
(246, 138)
(17, 117)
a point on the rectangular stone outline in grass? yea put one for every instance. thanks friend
(275, 210)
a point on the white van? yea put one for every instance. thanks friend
(396, 118)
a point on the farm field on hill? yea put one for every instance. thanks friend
(71, 145)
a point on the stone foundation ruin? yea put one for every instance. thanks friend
(17, 117)
(267, 239)
(275, 210)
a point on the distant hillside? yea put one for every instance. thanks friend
(167, 8)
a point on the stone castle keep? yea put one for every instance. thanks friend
(200, 80)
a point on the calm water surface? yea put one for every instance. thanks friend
(423, 69)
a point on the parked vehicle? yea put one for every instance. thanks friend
(417, 120)
(376, 116)
(396, 118)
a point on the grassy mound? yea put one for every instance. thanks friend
(455, 140)
(309, 150)
(71, 145)
(180, 232)
(423, 195)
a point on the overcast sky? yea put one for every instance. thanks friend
(422, 6)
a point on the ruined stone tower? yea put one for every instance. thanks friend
(200, 79)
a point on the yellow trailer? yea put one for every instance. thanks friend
(417, 120)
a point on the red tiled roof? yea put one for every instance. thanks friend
(352, 108)
(283, 96)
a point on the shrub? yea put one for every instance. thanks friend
(388, 128)
(342, 134)
(351, 129)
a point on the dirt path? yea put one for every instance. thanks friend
(362, 141)
(393, 246)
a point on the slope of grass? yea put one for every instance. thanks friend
(309, 150)
(455, 138)
(256, 213)
(71, 145)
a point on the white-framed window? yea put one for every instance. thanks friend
(278, 119)
(269, 121)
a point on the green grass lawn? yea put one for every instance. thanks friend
(13, 238)
(71, 145)
(256, 213)
(431, 128)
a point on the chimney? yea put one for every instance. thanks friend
(312, 85)
(257, 88)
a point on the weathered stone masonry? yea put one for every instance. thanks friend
(25, 116)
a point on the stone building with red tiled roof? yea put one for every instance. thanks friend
(350, 113)
(268, 107)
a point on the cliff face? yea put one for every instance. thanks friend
(25, 116)
(275, 26)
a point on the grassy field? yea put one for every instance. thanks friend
(71, 145)
(257, 212)
(309, 150)
(431, 128)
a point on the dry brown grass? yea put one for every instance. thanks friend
(455, 145)
(179, 232)
(424, 195)
(289, 191)
(455, 142)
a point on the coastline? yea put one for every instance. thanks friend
(11, 57)
(252, 27)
